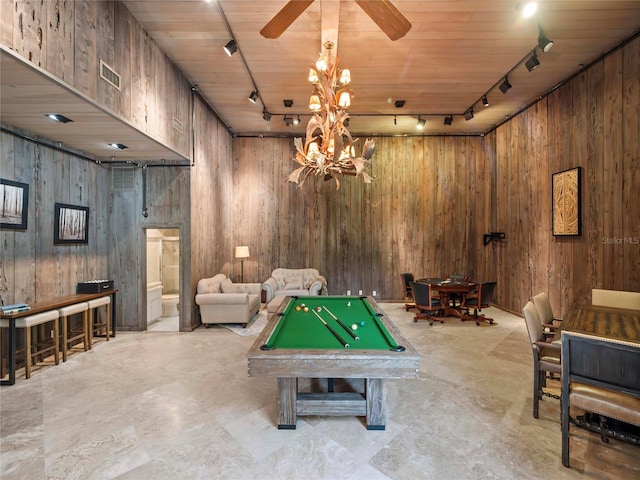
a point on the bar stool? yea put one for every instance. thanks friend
(99, 326)
(69, 335)
(28, 323)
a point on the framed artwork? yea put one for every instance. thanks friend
(15, 205)
(71, 224)
(565, 202)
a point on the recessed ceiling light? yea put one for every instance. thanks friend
(58, 117)
(118, 146)
(400, 103)
(288, 103)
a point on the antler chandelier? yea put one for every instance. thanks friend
(328, 147)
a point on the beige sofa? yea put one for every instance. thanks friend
(222, 301)
(294, 281)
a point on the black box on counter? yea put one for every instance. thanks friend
(94, 286)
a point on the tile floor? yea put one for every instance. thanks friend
(181, 406)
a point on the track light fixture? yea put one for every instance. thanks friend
(231, 47)
(58, 117)
(505, 85)
(253, 97)
(448, 120)
(543, 42)
(421, 123)
(288, 121)
(485, 101)
(532, 63)
(266, 115)
(296, 121)
(468, 115)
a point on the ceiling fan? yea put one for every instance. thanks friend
(393, 23)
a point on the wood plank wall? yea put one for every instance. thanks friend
(593, 122)
(424, 213)
(32, 268)
(69, 38)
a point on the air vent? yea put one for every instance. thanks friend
(177, 125)
(122, 178)
(109, 75)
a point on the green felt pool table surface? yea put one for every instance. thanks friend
(298, 329)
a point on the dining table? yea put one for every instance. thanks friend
(608, 322)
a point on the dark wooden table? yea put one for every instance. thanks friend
(445, 288)
(608, 322)
(44, 306)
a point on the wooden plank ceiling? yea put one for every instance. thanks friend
(455, 52)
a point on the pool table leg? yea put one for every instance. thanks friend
(287, 408)
(376, 398)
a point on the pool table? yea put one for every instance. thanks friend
(331, 337)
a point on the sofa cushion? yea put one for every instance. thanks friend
(293, 283)
(211, 285)
(226, 286)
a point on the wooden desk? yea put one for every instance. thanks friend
(45, 306)
(608, 322)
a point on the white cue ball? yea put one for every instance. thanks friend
(354, 327)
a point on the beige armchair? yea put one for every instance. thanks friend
(222, 301)
(294, 281)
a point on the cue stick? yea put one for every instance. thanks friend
(335, 334)
(353, 335)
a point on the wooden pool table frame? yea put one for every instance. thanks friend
(287, 365)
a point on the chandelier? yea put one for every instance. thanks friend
(328, 148)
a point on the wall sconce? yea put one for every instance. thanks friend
(242, 252)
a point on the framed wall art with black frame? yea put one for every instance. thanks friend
(566, 202)
(14, 209)
(71, 224)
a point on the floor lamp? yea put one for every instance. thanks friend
(242, 252)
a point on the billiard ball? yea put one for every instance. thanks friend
(354, 327)
(319, 309)
(298, 308)
(362, 323)
(348, 304)
(302, 305)
(306, 309)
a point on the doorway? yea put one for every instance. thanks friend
(163, 279)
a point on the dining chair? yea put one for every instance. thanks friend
(427, 303)
(407, 278)
(481, 298)
(546, 357)
(549, 323)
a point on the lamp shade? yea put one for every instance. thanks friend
(242, 252)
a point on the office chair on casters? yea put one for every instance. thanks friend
(407, 278)
(427, 305)
(481, 298)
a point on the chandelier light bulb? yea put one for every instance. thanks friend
(313, 148)
(344, 100)
(321, 64)
(345, 77)
(313, 75)
(314, 103)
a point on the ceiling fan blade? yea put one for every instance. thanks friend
(387, 17)
(284, 18)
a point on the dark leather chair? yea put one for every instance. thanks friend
(481, 298)
(546, 357)
(407, 278)
(427, 303)
(456, 298)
